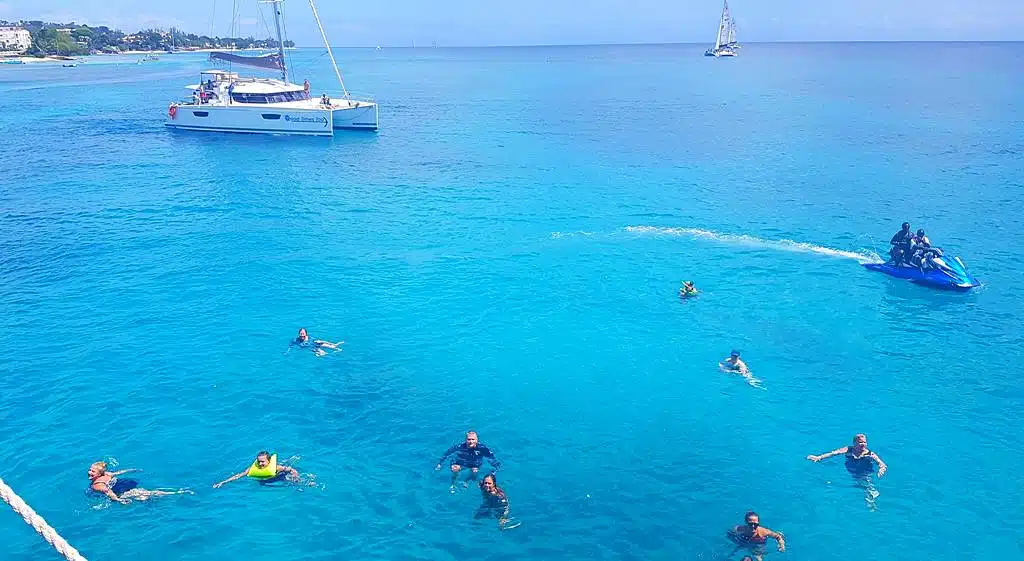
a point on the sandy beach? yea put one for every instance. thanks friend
(32, 59)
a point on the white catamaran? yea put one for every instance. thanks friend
(725, 41)
(226, 102)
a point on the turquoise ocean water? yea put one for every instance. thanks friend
(504, 255)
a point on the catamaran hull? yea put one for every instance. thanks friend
(272, 120)
(364, 116)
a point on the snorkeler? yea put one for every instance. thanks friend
(469, 454)
(121, 490)
(495, 503)
(753, 536)
(264, 469)
(859, 460)
(315, 345)
(687, 290)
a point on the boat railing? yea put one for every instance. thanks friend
(359, 96)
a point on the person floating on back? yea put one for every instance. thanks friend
(264, 469)
(469, 454)
(753, 537)
(107, 483)
(315, 345)
(687, 290)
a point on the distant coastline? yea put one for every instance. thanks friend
(48, 39)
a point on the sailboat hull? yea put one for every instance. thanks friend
(362, 116)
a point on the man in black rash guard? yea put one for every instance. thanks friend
(469, 454)
(900, 243)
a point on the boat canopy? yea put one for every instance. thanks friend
(271, 61)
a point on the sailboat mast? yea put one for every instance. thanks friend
(718, 38)
(280, 39)
(330, 54)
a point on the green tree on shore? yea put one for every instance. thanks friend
(70, 39)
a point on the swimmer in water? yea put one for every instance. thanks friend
(734, 364)
(121, 490)
(315, 345)
(495, 503)
(859, 460)
(469, 454)
(264, 469)
(753, 537)
(687, 290)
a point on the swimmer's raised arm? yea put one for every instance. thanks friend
(124, 471)
(290, 470)
(778, 537)
(826, 455)
(232, 478)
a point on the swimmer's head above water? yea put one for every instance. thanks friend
(97, 469)
(734, 354)
(752, 519)
(472, 439)
(489, 483)
(263, 459)
(303, 336)
(860, 442)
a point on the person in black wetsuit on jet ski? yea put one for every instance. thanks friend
(900, 243)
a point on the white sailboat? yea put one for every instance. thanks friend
(227, 102)
(731, 41)
(725, 40)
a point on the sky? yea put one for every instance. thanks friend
(553, 22)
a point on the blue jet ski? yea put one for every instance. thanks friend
(954, 277)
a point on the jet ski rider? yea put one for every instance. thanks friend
(924, 255)
(901, 242)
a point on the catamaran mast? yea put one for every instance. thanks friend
(280, 39)
(718, 38)
(337, 72)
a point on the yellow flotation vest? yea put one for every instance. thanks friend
(263, 472)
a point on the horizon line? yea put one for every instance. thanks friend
(649, 44)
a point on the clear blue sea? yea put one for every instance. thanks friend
(504, 255)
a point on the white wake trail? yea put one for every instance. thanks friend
(864, 256)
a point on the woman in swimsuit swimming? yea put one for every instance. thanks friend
(495, 503)
(121, 490)
(315, 345)
(859, 460)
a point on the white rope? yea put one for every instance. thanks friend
(37, 522)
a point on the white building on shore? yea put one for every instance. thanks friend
(15, 39)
